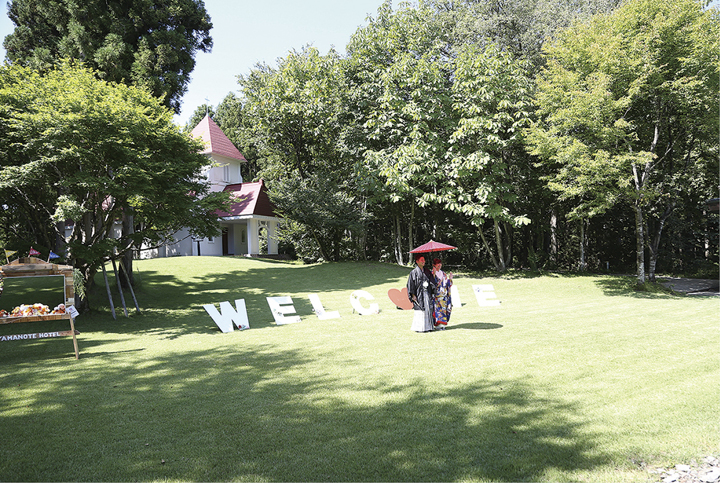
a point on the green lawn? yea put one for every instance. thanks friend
(571, 378)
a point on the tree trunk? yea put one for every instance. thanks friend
(321, 247)
(640, 178)
(654, 246)
(399, 255)
(583, 264)
(434, 218)
(60, 238)
(411, 241)
(362, 242)
(553, 238)
(60, 241)
(336, 244)
(489, 250)
(539, 247)
(363, 235)
(508, 243)
(126, 261)
(498, 242)
(640, 243)
(82, 304)
(89, 228)
(706, 238)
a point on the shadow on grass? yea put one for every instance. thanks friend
(259, 415)
(474, 326)
(162, 294)
(625, 286)
(52, 349)
(521, 274)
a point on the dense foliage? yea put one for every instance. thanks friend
(75, 148)
(529, 133)
(149, 44)
(638, 127)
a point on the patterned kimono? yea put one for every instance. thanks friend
(443, 301)
(422, 288)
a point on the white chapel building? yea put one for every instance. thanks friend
(250, 226)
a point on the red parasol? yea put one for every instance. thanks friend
(432, 246)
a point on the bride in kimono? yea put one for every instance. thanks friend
(443, 300)
(421, 288)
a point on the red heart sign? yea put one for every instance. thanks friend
(400, 298)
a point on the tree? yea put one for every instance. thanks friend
(231, 118)
(492, 97)
(73, 147)
(148, 44)
(399, 79)
(628, 105)
(518, 27)
(291, 116)
(325, 212)
(294, 109)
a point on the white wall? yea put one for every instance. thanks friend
(219, 176)
(209, 246)
(240, 246)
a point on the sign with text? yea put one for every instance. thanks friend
(281, 307)
(70, 309)
(455, 296)
(357, 305)
(485, 295)
(39, 335)
(283, 310)
(320, 310)
(229, 316)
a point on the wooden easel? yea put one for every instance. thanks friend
(35, 267)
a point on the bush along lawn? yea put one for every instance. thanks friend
(569, 378)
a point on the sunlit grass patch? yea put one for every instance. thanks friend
(570, 378)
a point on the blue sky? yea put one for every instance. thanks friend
(246, 32)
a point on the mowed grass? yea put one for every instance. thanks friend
(570, 378)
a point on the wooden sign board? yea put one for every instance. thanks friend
(35, 267)
(39, 335)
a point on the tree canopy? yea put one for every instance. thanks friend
(628, 104)
(517, 130)
(77, 148)
(293, 118)
(148, 44)
(489, 123)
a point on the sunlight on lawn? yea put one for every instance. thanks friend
(561, 382)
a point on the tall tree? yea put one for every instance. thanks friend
(239, 129)
(144, 43)
(629, 104)
(493, 100)
(399, 79)
(73, 147)
(519, 27)
(292, 113)
(294, 107)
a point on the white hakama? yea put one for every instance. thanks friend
(420, 322)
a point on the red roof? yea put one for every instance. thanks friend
(252, 199)
(216, 142)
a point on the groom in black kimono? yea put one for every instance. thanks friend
(421, 288)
